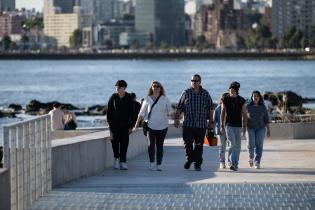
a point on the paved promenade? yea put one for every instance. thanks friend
(286, 181)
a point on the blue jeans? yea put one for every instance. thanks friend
(233, 135)
(255, 140)
(223, 143)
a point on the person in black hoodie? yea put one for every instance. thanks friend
(120, 115)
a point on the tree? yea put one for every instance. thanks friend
(293, 38)
(135, 44)
(25, 40)
(6, 42)
(201, 42)
(259, 37)
(251, 17)
(108, 44)
(76, 39)
(32, 23)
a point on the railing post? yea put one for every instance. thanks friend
(20, 168)
(13, 168)
(6, 150)
(32, 162)
(26, 158)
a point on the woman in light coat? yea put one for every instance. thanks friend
(157, 122)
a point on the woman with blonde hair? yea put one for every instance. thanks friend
(155, 110)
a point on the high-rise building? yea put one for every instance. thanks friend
(164, 20)
(61, 26)
(7, 5)
(221, 23)
(103, 10)
(10, 24)
(61, 6)
(292, 13)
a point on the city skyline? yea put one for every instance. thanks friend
(30, 4)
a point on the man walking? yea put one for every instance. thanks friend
(195, 103)
(233, 121)
(120, 117)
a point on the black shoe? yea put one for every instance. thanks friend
(187, 165)
(197, 168)
(233, 168)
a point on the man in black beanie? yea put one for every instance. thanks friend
(120, 115)
(234, 121)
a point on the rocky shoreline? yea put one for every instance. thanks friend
(291, 100)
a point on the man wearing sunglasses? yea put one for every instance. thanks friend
(195, 103)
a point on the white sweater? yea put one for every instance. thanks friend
(160, 112)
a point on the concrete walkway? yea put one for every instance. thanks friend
(286, 181)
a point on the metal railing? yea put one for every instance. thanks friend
(27, 154)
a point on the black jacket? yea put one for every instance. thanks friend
(120, 112)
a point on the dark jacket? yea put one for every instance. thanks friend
(120, 112)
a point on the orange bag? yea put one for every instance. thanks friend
(210, 139)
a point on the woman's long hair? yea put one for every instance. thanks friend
(155, 82)
(261, 100)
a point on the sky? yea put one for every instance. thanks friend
(29, 4)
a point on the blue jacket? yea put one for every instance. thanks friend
(216, 120)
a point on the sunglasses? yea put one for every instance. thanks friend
(194, 80)
(156, 86)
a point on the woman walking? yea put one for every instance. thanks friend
(258, 122)
(155, 110)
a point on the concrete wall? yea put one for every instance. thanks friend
(292, 130)
(4, 189)
(87, 155)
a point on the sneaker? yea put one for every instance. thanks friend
(233, 168)
(159, 168)
(257, 165)
(152, 166)
(187, 165)
(251, 163)
(116, 164)
(197, 168)
(222, 165)
(123, 166)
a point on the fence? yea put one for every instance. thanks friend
(27, 154)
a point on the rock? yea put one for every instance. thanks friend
(7, 114)
(287, 101)
(96, 110)
(15, 107)
(36, 107)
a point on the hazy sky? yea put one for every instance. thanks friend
(29, 4)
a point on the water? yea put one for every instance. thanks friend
(89, 82)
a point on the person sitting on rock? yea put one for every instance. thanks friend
(69, 119)
(56, 116)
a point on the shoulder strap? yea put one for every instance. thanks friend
(153, 106)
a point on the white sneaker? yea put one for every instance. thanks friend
(222, 165)
(123, 166)
(257, 165)
(159, 168)
(152, 166)
(116, 164)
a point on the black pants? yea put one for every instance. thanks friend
(120, 143)
(193, 142)
(156, 138)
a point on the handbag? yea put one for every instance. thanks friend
(71, 125)
(210, 139)
(145, 126)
